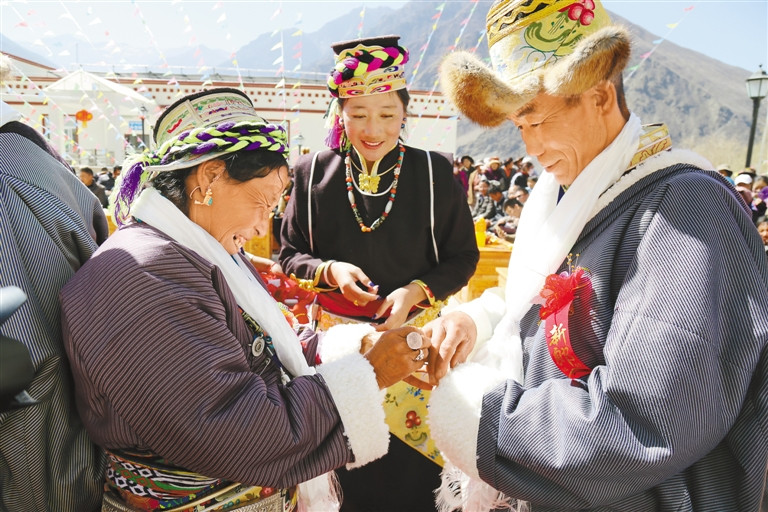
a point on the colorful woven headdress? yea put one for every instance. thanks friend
(363, 67)
(367, 66)
(197, 128)
(561, 47)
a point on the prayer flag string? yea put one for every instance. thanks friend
(436, 83)
(645, 56)
(436, 19)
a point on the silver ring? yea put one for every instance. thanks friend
(422, 355)
(414, 340)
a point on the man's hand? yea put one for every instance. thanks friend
(453, 337)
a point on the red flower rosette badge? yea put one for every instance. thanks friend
(558, 294)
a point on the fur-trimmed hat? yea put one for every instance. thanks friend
(561, 47)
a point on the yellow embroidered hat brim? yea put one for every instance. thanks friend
(558, 47)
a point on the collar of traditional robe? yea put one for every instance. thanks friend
(369, 178)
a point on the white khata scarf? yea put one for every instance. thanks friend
(546, 233)
(157, 211)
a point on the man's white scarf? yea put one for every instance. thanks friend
(546, 233)
(157, 211)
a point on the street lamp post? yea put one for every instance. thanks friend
(299, 142)
(757, 87)
(143, 116)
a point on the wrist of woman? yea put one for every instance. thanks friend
(314, 284)
(325, 275)
(429, 297)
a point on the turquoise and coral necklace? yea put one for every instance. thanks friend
(351, 193)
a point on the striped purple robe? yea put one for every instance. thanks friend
(49, 226)
(162, 362)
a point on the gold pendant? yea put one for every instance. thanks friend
(369, 184)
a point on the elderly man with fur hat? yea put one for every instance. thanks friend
(625, 366)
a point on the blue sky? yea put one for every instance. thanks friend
(733, 31)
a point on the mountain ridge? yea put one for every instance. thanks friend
(702, 100)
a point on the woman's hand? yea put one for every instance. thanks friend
(453, 337)
(346, 276)
(265, 264)
(401, 301)
(391, 356)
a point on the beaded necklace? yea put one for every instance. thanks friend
(351, 194)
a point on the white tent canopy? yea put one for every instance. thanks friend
(79, 83)
(118, 114)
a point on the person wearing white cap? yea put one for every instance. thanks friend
(526, 164)
(743, 184)
(743, 179)
(625, 365)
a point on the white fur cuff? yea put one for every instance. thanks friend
(454, 412)
(358, 399)
(342, 340)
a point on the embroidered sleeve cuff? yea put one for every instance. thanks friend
(454, 412)
(342, 340)
(358, 399)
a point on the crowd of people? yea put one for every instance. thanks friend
(497, 191)
(624, 366)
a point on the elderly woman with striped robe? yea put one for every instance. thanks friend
(187, 372)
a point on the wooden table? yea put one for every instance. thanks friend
(486, 275)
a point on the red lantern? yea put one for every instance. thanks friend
(84, 116)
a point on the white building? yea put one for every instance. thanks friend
(96, 119)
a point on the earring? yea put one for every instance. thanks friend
(208, 199)
(402, 126)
